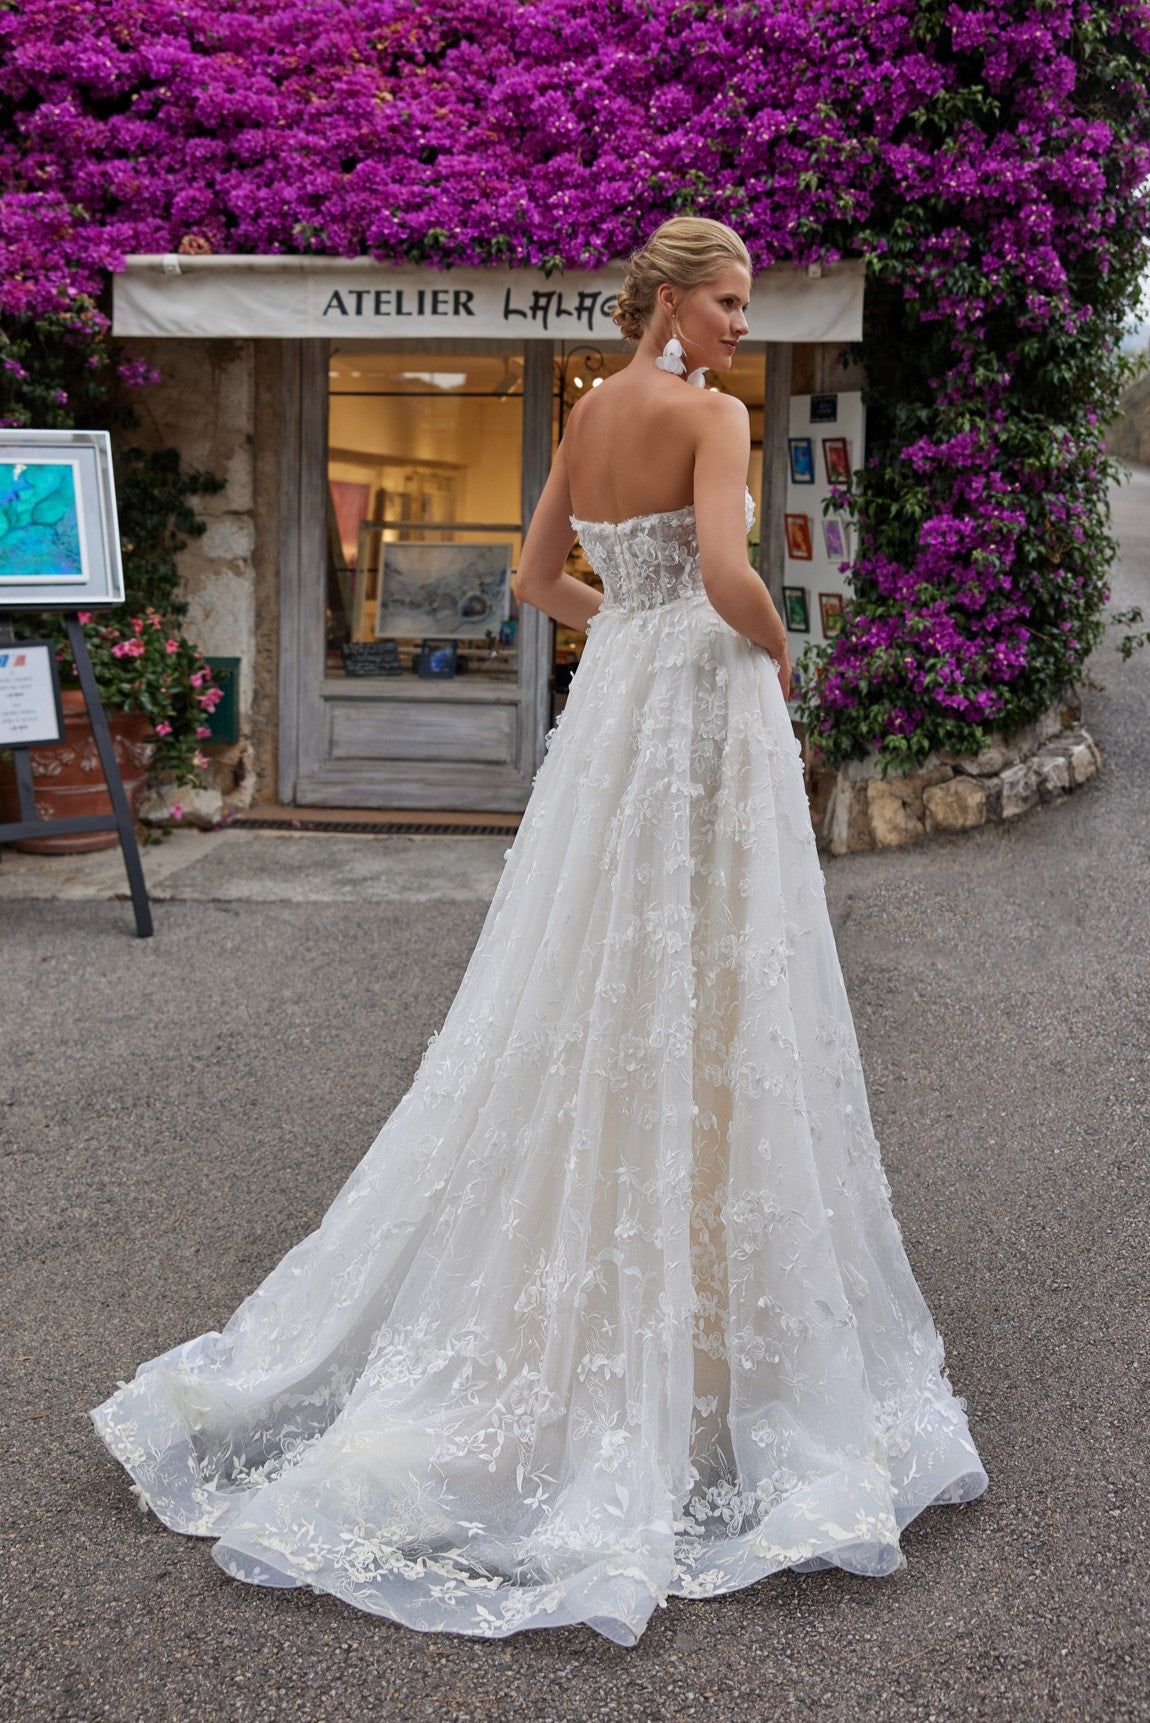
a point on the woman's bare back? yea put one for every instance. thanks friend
(630, 445)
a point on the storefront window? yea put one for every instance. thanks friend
(425, 453)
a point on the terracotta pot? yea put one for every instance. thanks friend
(69, 780)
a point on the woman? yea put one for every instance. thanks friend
(615, 1308)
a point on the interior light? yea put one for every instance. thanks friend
(596, 382)
(578, 382)
(356, 373)
(437, 379)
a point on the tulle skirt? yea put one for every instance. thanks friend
(615, 1308)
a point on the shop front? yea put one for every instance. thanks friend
(416, 416)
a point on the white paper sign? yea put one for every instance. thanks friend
(29, 704)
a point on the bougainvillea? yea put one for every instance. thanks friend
(985, 157)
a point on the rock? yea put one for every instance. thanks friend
(955, 806)
(846, 823)
(1052, 772)
(202, 808)
(994, 758)
(1081, 762)
(892, 818)
(1019, 790)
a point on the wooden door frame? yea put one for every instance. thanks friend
(303, 471)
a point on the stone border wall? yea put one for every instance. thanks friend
(854, 808)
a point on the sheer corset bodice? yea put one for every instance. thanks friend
(647, 561)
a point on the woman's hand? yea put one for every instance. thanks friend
(784, 664)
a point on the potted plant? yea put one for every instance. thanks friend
(157, 692)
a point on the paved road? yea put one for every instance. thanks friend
(176, 1113)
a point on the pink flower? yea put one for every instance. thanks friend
(176, 811)
(138, 624)
(198, 678)
(171, 646)
(128, 649)
(203, 731)
(84, 615)
(163, 728)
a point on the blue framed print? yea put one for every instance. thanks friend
(802, 453)
(59, 537)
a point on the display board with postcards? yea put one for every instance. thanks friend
(826, 442)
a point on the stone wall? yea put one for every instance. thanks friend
(216, 406)
(1129, 435)
(854, 808)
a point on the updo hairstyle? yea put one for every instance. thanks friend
(686, 251)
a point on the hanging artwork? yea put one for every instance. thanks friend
(834, 538)
(831, 612)
(802, 455)
(796, 610)
(836, 457)
(799, 544)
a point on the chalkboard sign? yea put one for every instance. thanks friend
(371, 658)
(824, 409)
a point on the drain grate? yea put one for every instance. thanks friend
(373, 828)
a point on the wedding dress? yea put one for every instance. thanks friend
(615, 1308)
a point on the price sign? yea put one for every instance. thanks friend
(29, 694)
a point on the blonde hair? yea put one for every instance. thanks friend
(686, 251)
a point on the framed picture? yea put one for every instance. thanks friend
(29, 694)
(796, 612)
(830, 612)
(836, 458)
(351, 503)
(799, 546)
(437, 657)
(440, 588)
(834, 538)
(802, 453)
(59, 539)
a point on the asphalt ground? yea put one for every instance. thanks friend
(176, 1113)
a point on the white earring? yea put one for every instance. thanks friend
(671, 358)
(699, 377)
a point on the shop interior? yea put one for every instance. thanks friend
(424, 530)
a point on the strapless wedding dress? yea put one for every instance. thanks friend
(615, 1308)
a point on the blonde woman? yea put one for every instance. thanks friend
(615, 1309)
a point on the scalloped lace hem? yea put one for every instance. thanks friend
(264, 1537)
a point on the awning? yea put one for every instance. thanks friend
(304, 297)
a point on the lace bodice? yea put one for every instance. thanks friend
(647, 560)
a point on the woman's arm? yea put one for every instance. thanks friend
(722, 454)
(541, 578)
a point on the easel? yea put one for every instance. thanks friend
(29, 825)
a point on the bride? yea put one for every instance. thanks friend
(615, 1308)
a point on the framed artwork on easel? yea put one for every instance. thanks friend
(59, 539)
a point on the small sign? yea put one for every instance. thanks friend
(29, 695)
(824, 409)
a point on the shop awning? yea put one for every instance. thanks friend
(304, 297)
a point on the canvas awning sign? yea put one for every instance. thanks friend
(355, 299)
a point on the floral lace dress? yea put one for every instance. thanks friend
(615, 1308)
